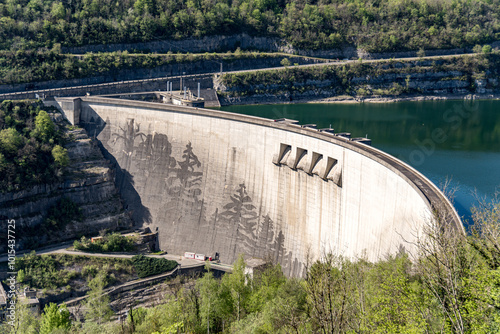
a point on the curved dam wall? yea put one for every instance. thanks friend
(212, 181)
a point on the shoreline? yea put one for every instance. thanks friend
(381, 99)
(416, 98)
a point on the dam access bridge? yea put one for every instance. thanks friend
(214, 181)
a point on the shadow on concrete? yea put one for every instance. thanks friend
(124, 181)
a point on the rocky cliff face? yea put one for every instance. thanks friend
(88, 181)
(188, 67)
(459, 76)
(245, 41)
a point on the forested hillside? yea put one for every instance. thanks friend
(374, 25)
(451, 285)
(31, 149)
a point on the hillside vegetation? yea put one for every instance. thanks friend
(31, 146)
(41, 65)
(385, 78)
(450, 285)
(374, 25)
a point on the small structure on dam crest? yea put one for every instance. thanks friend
(213, 181)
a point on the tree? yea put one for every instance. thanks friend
(287, 311)
(44, 127)
(235, 290)
(285, 62)
(54, 317)
(58, 10)
(208, 288)
(332, 295)
(486, 49)
(457, 276)
(10, 141)
(162, 317)
(97, 302)
(395, 302)
(25, 322)
(477, 48)
(60, 155)
(485, 232)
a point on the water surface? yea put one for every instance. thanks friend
(444, 140)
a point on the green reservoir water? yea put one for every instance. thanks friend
(456, 140)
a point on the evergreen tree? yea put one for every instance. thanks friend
(53, 318)
(97, 303)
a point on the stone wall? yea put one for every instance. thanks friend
(217, 182)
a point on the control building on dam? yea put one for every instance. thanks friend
(212, 181)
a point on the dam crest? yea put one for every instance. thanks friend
(211, 181)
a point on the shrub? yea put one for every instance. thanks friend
(285, 62)
(109, 243)
(90, 270)
(486, 49)
(148, 266)
(60, 155)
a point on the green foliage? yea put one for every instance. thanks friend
(358, 78)
(42, 271)
(57, 271)
(421, 53)
(486, 49)
(332, 293)
(114, 242)
(97, 303)
(148, 266)
(60, 156)
(42, 65)
(136, 316)
(44, 127)
(54, 318)
(10, 141)
(164, 316)
(27, 322)
(396, 298)
(285, 62)
(373, 25)
(26, 160)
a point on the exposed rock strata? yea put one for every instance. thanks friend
(88, 182)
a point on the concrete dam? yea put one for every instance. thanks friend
(212, 181)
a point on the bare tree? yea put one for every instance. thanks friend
(450, 269)
(486, 230)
